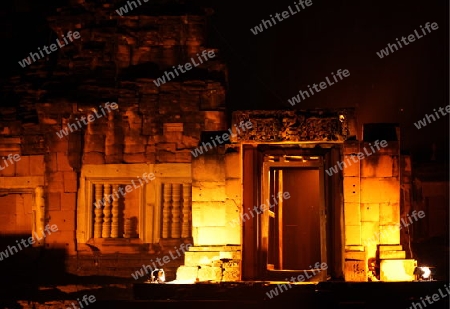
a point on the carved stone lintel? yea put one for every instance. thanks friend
(293, 125)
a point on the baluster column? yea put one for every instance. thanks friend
(176, 203)
(186, 211)
(98, 211)
(115, 214)
(106, 232)
(167, 198)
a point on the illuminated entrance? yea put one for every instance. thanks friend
(293, 228)
(301, 222)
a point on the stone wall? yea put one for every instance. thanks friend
(216, 205)
(116, 60)
(372, 214)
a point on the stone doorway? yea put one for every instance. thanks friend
(293, 229)
(312, 229)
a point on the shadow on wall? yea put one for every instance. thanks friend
(21, 262)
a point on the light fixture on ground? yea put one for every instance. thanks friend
(424, 273)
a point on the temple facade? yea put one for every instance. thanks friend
(131, 172)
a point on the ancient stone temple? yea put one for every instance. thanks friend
(298, 189)
(134, 171)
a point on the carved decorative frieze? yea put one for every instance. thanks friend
(294, 126)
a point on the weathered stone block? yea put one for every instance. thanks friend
(370, 231)
(60, 145)
(93, 158)
(8, 170)
(232, 165)
(208, 168)
(389, 213)
(183, 156)
(68, 201)
(70, 182)
(37, 166)
(166, 157)
(233, 188)
(208, 191)
(188, 273)
(219, 248)
(351, 147)
(197, 258)
(150, 149)
(64, 219)
(113, 149)
(390, 248)
(134, 148)
(150, 158)
(355, 255)
(54, 201)
(352, 214)
(189, 141)
(370, 212)
(51, 162)
(231, 274)
(113, 159)
(58, 176)
(94, 143)
(396, 255)
(215, 121)
(351, 168)
(355, 271)
(63, 162)
(389, 234)
(351, 189)
(379, 166)
(134, 158)
(208, 214)
(22, 166)
(61, 240)
(207, 273)
(149, 127)
(233, 255)
(380, 190)
(354, 248)
(55, 186)
(209, 235)
(353, 235)
(397, 270)
(173, 132)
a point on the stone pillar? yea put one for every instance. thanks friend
(98, 211)
(115, 214)
(39, 214)
(106, 232)
(167, 199)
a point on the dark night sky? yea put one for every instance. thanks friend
(268, 69)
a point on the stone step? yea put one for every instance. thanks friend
(354, 248)
(390, 248)
(197, 258)
(397, 270)
(396, 255)
(215, 248)
(355, 255)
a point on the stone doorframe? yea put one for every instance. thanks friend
(32, 185)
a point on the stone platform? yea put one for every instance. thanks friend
(248, 294)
